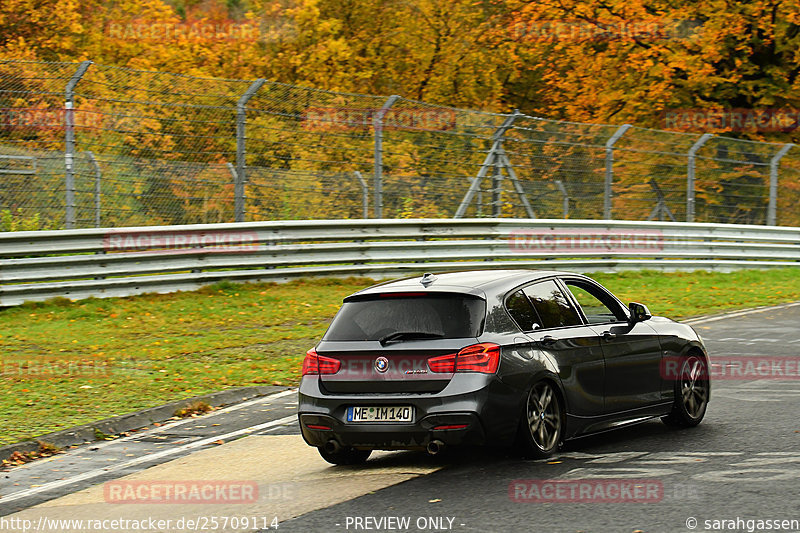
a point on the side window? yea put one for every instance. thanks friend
(598, 306)
(522, 312)
(552, 306)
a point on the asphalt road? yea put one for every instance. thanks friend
(741, 465)
(742, 462)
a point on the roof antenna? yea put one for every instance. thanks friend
(427, 279)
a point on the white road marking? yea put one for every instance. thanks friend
(745, 475)
(143, 459)
(169, 426)
(705, 320)
(260, 399)
(751, 389)
(759, 398)
(732, 466)
(292, 480)
(618, 473)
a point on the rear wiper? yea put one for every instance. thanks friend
(408, 335)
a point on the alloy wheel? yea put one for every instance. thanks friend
(694, 386)
(544, 416)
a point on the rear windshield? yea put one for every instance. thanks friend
(434, 316)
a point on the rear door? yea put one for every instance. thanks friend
(554, 326)
(632, 353)
(384, 341)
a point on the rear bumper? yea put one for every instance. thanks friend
(394, 436)
(474, 409)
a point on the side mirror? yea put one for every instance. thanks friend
(639, 312)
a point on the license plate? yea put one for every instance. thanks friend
(380, 414)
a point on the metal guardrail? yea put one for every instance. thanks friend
(76, 264)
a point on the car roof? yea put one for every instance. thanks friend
(475, 282)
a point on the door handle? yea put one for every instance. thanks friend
(608, 335)
(548, 340)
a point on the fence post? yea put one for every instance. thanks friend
(377, 124)
(364, 194)
(497, 189)
(690, 175)
(661, 208)
(564, 198)
(488, 163)
(772, 210)
(240, 177)
(97, 178)
(69, 143)
(610, 169)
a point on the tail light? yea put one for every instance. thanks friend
(443, 363)
(484, 358)
(319, 364)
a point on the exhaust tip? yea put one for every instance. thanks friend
(332, 446)
(435, 447)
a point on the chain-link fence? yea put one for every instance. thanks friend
(87, 145)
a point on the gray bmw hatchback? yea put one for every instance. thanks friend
(498, 357)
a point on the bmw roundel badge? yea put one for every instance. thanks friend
(381, 364)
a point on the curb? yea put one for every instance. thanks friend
(122, 423)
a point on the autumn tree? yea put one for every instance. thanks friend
(628, 61)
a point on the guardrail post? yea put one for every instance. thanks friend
(377, 124)
(69, 142)
(610, 169)
(240, 177)
(97, 178)
(690, 175)
(364, 194)
(772, 210)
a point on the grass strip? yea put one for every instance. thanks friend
(67, 363)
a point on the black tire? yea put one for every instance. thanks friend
(691, 393)
(345, 456)
(542, 424)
